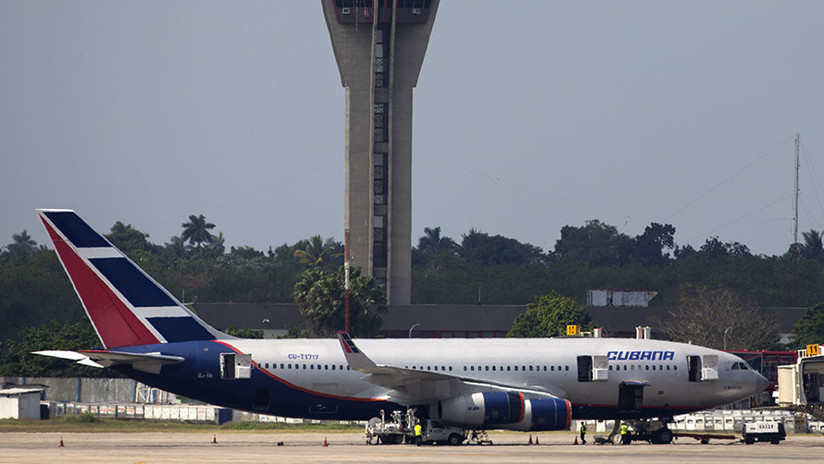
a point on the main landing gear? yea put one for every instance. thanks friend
(651, 431)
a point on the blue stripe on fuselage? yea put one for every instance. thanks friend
(199, 378)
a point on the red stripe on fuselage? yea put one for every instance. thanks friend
(115, 323)
(291, 385)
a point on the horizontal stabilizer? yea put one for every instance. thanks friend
(144, 362)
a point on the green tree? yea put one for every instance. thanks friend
(433, 243)
(596, 244)
(650, 246)
(813, 247)
(548, 316)
(316, 252)
(809, 329)
(319, 296)
(16, 358)
(129, 239)
(703, 315)
(244, 333)
(196, 231)
(481, 249)
(22, 246)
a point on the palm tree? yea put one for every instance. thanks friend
(432, 243)
(23, 244)
(316, 252)
(196, 231)
(813, 246)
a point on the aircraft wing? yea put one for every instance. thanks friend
(410, 386)
(144, 362)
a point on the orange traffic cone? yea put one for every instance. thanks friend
(536, 440)
(576, 441)
(61, 443)
(214, 439)
(324, 442)
(530, 438)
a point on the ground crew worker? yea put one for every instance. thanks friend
(624, 434)
(583, 433)
(418, 435)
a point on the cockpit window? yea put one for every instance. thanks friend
(740, 366)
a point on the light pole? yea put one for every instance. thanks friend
(411, 329)
(725, 336)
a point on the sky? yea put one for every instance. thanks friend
(527, 118)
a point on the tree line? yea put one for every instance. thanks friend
(479, 268)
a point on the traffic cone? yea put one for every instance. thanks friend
(61, 443)
(530, 438)
(214, 439)
(324, 442)
(536, 440)
(576, 441)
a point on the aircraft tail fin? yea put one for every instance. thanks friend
(125, 305)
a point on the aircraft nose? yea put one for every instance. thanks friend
(760, 382)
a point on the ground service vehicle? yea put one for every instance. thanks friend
(772, 432)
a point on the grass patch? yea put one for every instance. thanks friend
(88, 423)
(86, 418)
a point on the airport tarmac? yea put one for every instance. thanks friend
(259, 447)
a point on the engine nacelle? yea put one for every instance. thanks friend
(483, 409)
(506, 410)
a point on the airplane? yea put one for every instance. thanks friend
(518, 384)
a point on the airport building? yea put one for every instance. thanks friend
(379, 46)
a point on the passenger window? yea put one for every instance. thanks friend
(281, 365)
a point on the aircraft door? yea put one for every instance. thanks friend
(235, 366)
(592, 368)
(261, 399)
(585, 368)
(694, 363)
(630, 398)
(703, 368)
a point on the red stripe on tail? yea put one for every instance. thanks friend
(114, 322)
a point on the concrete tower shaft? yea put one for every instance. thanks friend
(379, 47)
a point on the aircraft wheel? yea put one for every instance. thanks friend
(662, 436)
(454, 439)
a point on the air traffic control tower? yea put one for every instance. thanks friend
(379, 46)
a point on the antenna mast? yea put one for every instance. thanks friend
(796, 245)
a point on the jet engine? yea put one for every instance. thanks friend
(506, 410)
